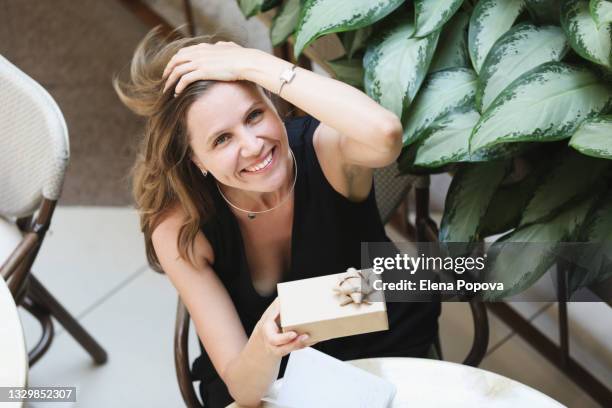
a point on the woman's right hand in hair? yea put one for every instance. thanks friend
(221, 61)
(275, 341)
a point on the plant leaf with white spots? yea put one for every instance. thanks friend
(447, 140)
(441, 93)
(452, 48)
(519, 50)
(284, 21)
(584, 37)
(395, 64)
(521, 257)
(490, 19)
(601, 11)
(594, 263)
(250, 7)
(468, 198)
(320, 17)
(431, 15)
(594, 137)
(500, 151)
(573, 177)
(507, 205)
(544, 104)
(405, 163)
(355, 40)
(348, 70)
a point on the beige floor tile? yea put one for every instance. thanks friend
(590, 328)
(530, 310)
(135, 326)
(457, 331)
(87, 252)
(517, 360)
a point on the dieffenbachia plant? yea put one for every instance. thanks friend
(513, 96)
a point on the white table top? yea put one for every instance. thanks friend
(433, 383)
(13, 353)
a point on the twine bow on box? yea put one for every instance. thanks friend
(353, 287)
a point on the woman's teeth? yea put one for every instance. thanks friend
(261, 165)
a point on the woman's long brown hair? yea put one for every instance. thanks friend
(164, 176)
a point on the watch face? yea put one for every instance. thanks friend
(288, 75)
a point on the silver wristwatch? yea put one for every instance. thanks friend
(286, 76)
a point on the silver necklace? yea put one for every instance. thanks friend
(252, 214)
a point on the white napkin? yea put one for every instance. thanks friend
(315, 379)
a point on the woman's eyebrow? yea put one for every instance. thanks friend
(246, 113)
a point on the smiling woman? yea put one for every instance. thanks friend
(234, 199)
(242, 143)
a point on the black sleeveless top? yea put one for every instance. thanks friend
(326, 238)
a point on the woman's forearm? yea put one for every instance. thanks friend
(341, 106)
(249, 376)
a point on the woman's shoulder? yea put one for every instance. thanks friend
(166, 232)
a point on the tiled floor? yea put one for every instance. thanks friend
(93, 261)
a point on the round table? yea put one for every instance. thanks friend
(13, 353)
(433, 383)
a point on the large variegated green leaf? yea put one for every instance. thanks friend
(353, 41)
(573, 177)
(405, 163)
(250, 7)
(498, 152)
(468, 198)
(585, 38)
(594, 264)
(594, 137)
(490, 19)
(395, 64)
(441, 93)
(319, 17)
(284, 21)
(506, 207)
(544, 11)
(547, 103)
(348, 70)
(601, 11)
(521, 257)
(452, 50)
(432, 14)
(447, 140)
(519, 50)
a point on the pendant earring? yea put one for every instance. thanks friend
(205, 173)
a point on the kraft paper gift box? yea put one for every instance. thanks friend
(313, 306)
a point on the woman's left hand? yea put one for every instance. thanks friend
(221, 61)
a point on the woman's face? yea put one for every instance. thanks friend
(237, 136)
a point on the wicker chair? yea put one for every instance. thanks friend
(34, 153)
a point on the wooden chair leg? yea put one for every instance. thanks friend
(481, 334)
(438, 347)
(181, 356)
(42, 296)
(43, 316)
